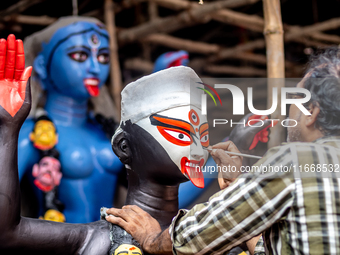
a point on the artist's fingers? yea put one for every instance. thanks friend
(123, 214)
(226, 146)
(19, 59)
(118, 221)
(3, 47)
(229, 165)
(221, 145)
(135, 209)
(10, 57)
(220, 156)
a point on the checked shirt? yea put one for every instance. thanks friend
(297, 211)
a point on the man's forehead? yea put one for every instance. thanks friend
(301, 84)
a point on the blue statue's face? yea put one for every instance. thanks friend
(80, 65)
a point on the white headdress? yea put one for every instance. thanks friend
(157, 92)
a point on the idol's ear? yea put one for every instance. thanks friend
(121, 148)
(39, 66)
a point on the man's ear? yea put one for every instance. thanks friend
(121, 148)
(39, 67)
(311, 119)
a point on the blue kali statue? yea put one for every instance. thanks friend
(71, 62)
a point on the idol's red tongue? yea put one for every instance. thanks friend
(195, 175)
(93, 90)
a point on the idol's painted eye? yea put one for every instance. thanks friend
(205, 139)
(178, 135)
(79, 56)
(204, 134)
(193, 117)
(103, 58)
(175, 136)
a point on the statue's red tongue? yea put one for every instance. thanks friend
(196, 176)
(192, 169)
(92, 86)
(93, 90)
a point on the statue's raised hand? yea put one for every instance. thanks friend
(15, 95)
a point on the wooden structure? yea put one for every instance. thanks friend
(224, 38)
(273, 32)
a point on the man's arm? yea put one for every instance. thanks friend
(145, 229)
(232, 216)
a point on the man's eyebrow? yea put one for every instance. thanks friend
(204, 127)
(78, 46)
(123, 252)
(159, 120)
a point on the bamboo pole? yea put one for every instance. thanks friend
(31, 20)
(176, 5)
(326, 37)
(233, 70)
(309, 43)
(153, 10)
(273, 32)
(147, 67)
(18, 7)
(204, 48)
(139, 64)
(226, 53)
(251, 22)
(94, 13)
(126, 4)
(182, 44)
(116, 81)
(173, 23)
(256, 23)
(318, 27)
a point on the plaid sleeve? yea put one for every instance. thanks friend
(234, 215)
(259, 248)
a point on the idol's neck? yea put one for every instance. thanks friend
(160, 201)
(65, 110)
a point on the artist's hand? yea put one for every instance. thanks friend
(145, 229)
(247, 137)
(228, 165)
(15, 95)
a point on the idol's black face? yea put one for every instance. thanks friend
(147, 158)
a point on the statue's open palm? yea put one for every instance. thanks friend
(15, 97)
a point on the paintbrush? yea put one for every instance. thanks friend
(238, 154)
